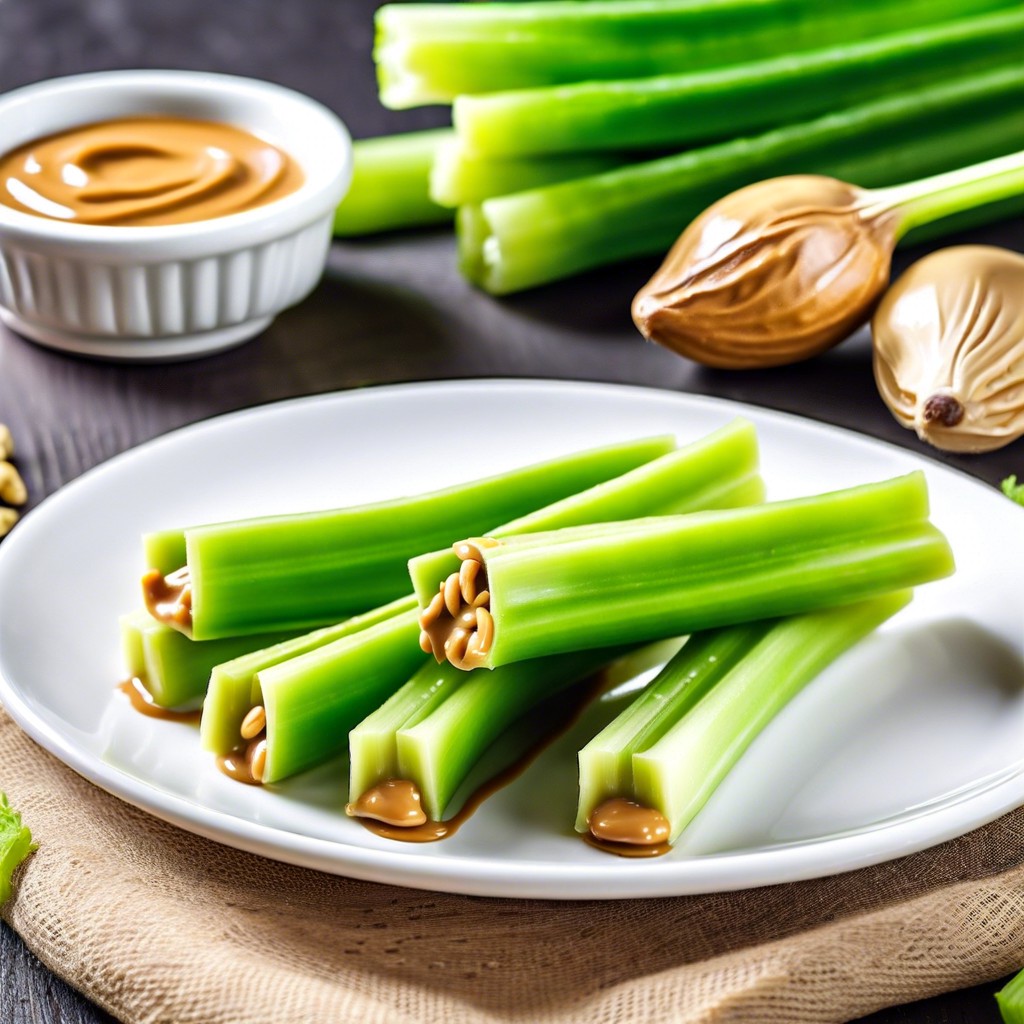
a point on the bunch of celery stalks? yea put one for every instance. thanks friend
(585, 559)
(586, 132)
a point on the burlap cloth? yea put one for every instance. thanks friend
(158, 925)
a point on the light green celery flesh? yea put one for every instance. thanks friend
(663, 111)
(306, 570)
(312, 701)
(174, 669)
(391, 184)
(514, 242)
(717, 471)
(431, 53)
(438, 752)
(606, 762)
(458, 177)
(677, 774)
(234, 685)
(654, 578)
(1011, 1000)
(164, 550)
(373, 743)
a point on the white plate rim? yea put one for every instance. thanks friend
(471, 875)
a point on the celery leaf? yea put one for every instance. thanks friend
(1013, 490)
(15, 845)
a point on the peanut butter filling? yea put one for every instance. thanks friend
(394, 802)
(145, 172)
(457, 625)
(142, 701)
(169, 598)
(618, 824)
(248, 761)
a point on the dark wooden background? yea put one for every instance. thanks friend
(388, 310)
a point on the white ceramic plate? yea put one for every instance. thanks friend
(914, 737)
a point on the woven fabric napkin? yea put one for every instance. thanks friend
(158, 925)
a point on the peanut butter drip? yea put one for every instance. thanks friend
(457, 624)
(395, 802)
(624, 823)
(145, 172)
(142, 701)
(169, 598)
(949, 348)
(771, 274)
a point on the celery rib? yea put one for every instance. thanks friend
(648, 579)
(673, 110)
(675, 744)
(431, 53)
(509, 243)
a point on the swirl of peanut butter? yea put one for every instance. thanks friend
(774, 273)
(145, 172)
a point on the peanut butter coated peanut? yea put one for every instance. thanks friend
(771, 274)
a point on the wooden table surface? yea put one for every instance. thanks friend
(388, 310)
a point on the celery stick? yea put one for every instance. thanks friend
(174, 669)
(313, 700)
(671, 749)
(459, 177)
(15, 845)
(648, 579)
(390, 184)
(431, 53)
(305, 570)
(1010, 999)
(724, 102)
(234, 685)
(514, 242)
(717, 471)
(438, 751)
(164, 550)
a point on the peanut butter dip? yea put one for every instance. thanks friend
(773, 273)
(145, 172)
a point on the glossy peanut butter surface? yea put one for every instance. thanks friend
(146, 172)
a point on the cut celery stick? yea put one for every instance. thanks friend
(647, 579)
(675, 110)
(459, 177)
(431, 53)
(234, 685)
(1010, 999)
(514, 242)
(164, 550)
(390, 184)
(678, 773)
(312, 701)
(305, 570)
(437, 750)
(174, 669)
(717, 471)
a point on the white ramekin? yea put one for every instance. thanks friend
(185, 289)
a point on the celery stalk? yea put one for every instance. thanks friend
(459, 177)
(431, 53)
(674, 745)
(673, 110)
(235, 687)
(390, 184)
(437, 726)
(305, 570)
(648, 579)
(15, 845)
(717, 471)
(1010, 999)
(174, 669)
(519, 241)
(313, 700)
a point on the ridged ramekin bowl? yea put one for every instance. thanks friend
(181, 290)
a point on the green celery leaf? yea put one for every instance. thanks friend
(15, 845)
(1013, 490)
